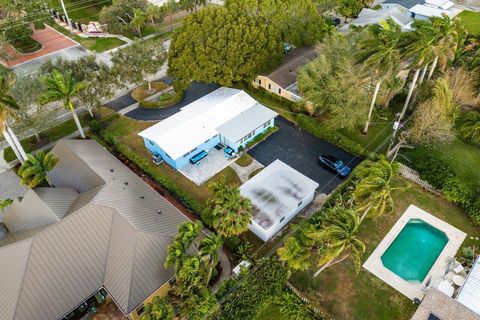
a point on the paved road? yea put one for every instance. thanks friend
(196, 91)
(300, 150)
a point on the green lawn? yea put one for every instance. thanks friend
(346, 295)
(471, 21)
(463, 158)
(84, 11)
(101, 44)
(245, 160)
(125, 131)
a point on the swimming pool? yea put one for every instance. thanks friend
(414, 251)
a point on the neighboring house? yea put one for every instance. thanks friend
(404, 12)
(101, 228)
(367, 16)
(225, 116)
(465, 305)
(278, 193)
(283, 80)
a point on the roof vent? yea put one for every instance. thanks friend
(111, 170)
(126, 183)
(142, 196)
(159, 211)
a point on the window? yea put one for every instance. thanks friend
(281, 220)
(269, 86)
(167, 155)
(186, 154)
(172, 281)
(151, 142)
(300, 203)
(259, 81)
(207, 140)
(279, 91)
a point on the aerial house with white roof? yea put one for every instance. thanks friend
(224, 118)
(278, 193)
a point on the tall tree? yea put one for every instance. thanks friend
(332, 83)
(117, 16)
(227, 46)
(469, 126)
(8, 110)
(138, 21)
(33, 172)
(379, 51)
(135, 63)
(154, 13)
(231, 212)
(62, 87)
(448, 33)
(337, 236)
(209, 252)
(295, 252)
(190, 274)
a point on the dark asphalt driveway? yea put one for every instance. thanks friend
(300, 150)
(196, 91)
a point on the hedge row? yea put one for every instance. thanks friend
(332, 136)
(441, 176)
(146, 166)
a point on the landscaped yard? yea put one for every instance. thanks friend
(347, 295)
(471, 21)
(272, 312)
(125, 131)
(462, 157)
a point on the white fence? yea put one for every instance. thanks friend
(414, 176)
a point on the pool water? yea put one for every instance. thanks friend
(414, 251)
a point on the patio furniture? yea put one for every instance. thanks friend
(446, 287)
(229, 152)
(458, 280)
(458, 268)
(199, 156)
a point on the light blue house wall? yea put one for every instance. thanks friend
(182, 161)
(243, 142)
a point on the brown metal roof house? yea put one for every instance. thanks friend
(99, 227)
(283, 80)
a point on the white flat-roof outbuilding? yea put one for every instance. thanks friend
(469, 294)
(278, 193)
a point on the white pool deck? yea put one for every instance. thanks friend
(414, 290)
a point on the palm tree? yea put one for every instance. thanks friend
(448, 31)
(153, 13)
(33, 172)
(175, 255)
(188, 232)
(5, 203)
(209, 253)
(373, 193)
(170, 7)
(379, 51)
(469, 126)
(62, 87)
(190, 273)
(231, 213)
(158, 309)
(336, 236)
(295, 254)
(138, 21)
(8, 109)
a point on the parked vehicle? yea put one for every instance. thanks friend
(334, 164)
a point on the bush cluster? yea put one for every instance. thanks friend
(441, 176)
(165, 100)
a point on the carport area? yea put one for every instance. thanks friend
(300, 150)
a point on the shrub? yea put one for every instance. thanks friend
(473, 211)
(108, 138)
(458, 193)
(163, 102)
(262, 136)
(95, 126)
(433, 170)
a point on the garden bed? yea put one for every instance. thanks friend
(167, 99)
(26, 45)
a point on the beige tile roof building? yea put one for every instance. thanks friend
(101, 226)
